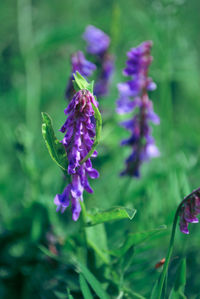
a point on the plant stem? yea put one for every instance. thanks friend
(170, 250)
(166, 264)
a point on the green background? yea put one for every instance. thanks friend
(37, 39)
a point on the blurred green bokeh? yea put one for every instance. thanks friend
(37, 39)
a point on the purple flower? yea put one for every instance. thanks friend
(97, 41)
(189, 211)
(79, 130)
(133, 96)
(98, 44)
(83, 66)
(106, 70)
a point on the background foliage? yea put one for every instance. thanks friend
(39, 248)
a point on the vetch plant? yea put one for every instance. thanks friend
(133, 96)
(74, 154)
(186, 212)
(80, 133)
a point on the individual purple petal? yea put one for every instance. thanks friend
(151, 115)
(189, 215)
(62, 200)
(152, 151)
(76, 208)
(125, 105)
(183, 226)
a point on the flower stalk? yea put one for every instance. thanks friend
(179, 213)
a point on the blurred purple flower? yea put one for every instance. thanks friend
(189, 211)
(83, 66)
(79, 130)
(97, 41)
(132, 95)
(106, 70)
(97, 44)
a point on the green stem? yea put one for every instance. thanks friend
(170, 250)
(84, 212)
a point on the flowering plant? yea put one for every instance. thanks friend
(133, 94)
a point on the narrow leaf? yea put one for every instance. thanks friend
(116, 213)
(97, 240)
(55, 148)
(181, 275)
(154, 293)
(177, 291)
(136, 239)
(81, 83)
(60, 295)
(69, 294)
(93, 282)
(85, 288)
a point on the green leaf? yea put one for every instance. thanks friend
(116, 213)
(98, 119)
(135, 239)
(60, 295)
(93, 282)
(85, 288)
(81, 83)
(177, 291)
(154, 293)
(97, 240)
(177, 295)
(69, 294)
(54, 146)
(133, 294)
(181, 275)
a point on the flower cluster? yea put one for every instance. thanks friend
(189, 211)
(133, 94)
(79, 130)
(97, 44)
(83, 66)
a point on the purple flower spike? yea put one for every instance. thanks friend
(97, 41)
(80, 130)
(83, 66)
(133, 96)
(97, 44)
(189, 211)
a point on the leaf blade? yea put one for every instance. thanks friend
(135, 239)
(84, 287)
(116, 213)
(93, 282)
(55, 148)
